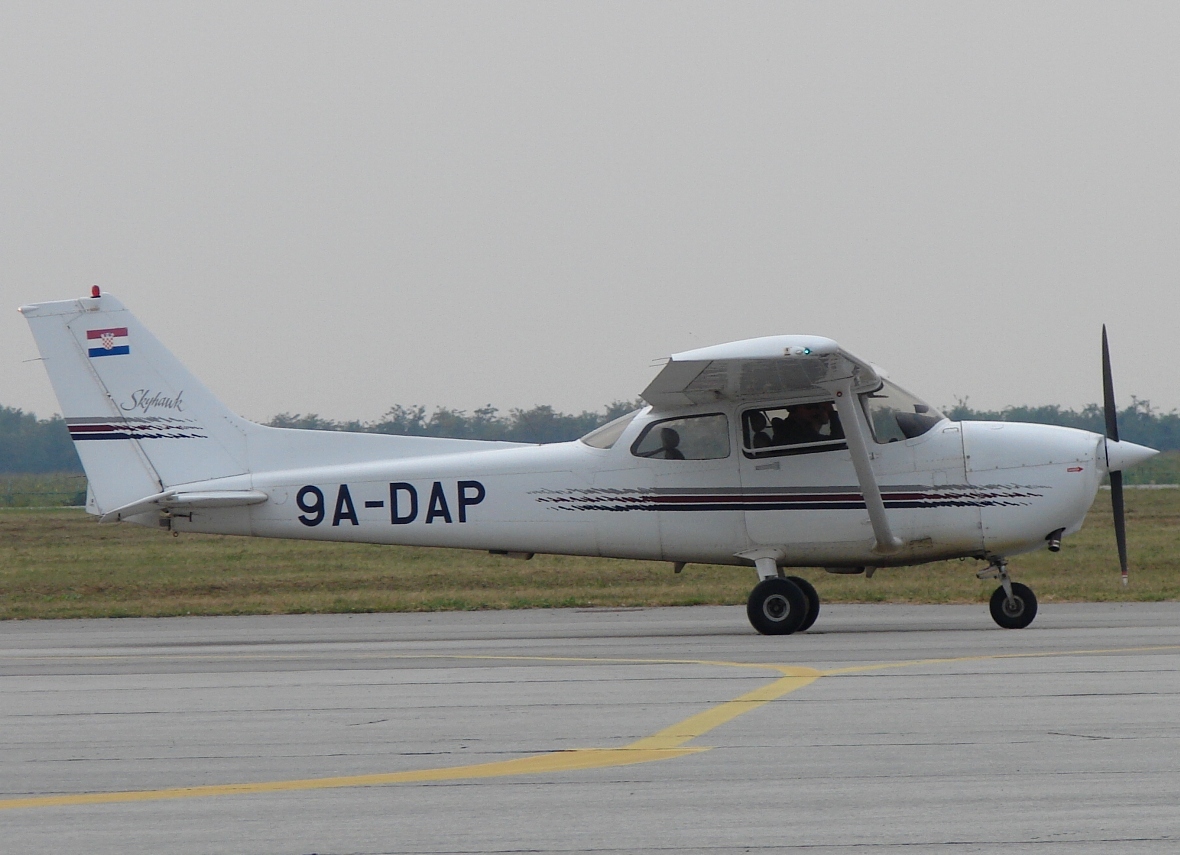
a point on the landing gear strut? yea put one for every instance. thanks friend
(781, 605)
(1013, 606)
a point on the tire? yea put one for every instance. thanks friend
(1022, 611)
(776, 607)
(812, 601)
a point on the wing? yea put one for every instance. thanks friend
(779, 367)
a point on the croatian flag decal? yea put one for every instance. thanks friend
(112, 342)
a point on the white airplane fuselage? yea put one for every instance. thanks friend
(960, 489)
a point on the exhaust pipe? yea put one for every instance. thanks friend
(1054, 538)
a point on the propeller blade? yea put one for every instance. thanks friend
(1116, 478)
(1120, 520)
(1108, 407)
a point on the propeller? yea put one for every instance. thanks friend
(1116, 477)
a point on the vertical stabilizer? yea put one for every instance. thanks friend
(139, 420)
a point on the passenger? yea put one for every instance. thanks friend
(778, 431)
(816, 422)
(757, 426)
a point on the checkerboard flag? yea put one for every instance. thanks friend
(110, 342)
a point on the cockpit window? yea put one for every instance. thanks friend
(792, 429)
(608, 434)
(688, 438)
(894, 414)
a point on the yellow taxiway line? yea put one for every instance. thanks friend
(663, 745)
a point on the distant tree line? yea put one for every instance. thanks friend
(1138, 423)
(32, 445)
(540, 424)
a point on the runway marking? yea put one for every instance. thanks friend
(909, 663)
(558, 761)
(697, 725)
(665, 744)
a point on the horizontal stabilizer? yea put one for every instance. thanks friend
(174, 499)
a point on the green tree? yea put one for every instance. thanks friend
(537, 425)
(32, 445)
(1138, 423)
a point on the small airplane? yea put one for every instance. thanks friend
(775, 452)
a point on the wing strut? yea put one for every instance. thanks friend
(854, 435)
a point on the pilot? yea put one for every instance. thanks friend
(669, 440)
(816, 422)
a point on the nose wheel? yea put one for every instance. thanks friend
(1013, 606)
(1015, 611)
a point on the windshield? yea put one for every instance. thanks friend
(894, 414)
(609, 433)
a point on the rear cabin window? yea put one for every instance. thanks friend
(792, 429)
(688, 438)
(894, 414)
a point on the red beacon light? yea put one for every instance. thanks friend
(94, 292)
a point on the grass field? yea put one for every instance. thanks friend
(53, 489)
(57, 563)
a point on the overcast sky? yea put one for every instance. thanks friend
(336, 207)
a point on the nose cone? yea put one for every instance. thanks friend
(1124, 455)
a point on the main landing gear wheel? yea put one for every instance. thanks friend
(1015, 613)
(777, 607)
(812, 601)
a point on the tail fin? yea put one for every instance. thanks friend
(139, 420)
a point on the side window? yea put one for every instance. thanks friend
(791, 429)
(689, 438)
